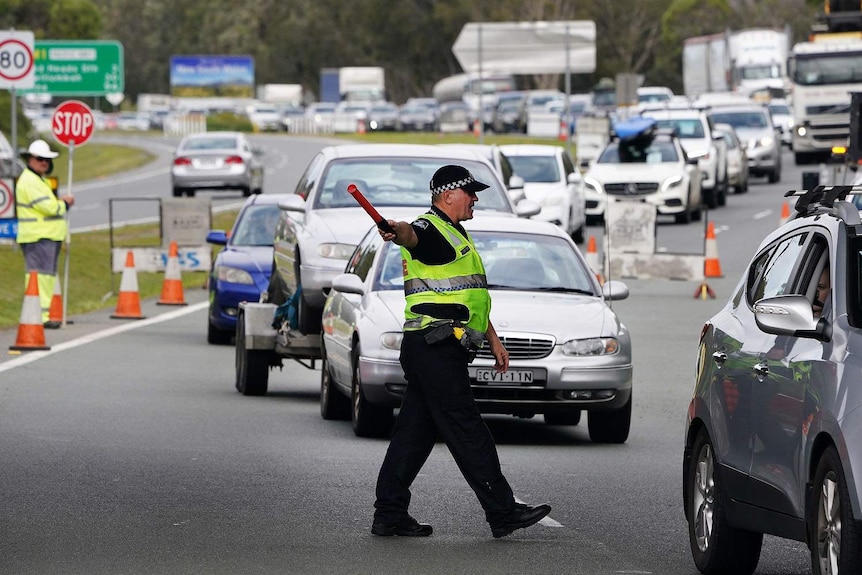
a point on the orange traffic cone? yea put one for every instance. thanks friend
(711, 265)
(593, 259)
(477, 128)
(785, 214)
(129, 301)
(564, 130)
(360, 126)
(31, 331)
(172, 287)
(55, 312)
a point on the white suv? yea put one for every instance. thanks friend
(696, 134)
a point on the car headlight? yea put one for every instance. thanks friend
(764, 142)
(699, 155)
(391, 339)
(592, 346)
(335, 251)
(594, 185)
(672, 182)
(801, 131)
(233, 275)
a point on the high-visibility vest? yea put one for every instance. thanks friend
(41, 215)
(461, 281)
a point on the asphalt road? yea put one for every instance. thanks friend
(126, 449)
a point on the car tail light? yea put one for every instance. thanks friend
(233, 160)
(182, 162)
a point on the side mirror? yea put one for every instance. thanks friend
(294, 203)
(790, 315)
(574, 178)
(217, 237)
(348, 283)
(527, 208)
(516, 182)
(615, 290)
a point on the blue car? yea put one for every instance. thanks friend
(240, 272)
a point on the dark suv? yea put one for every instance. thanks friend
(770, 435)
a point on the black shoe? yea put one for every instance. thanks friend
(522, 516)
(406, 527)
(52, 324)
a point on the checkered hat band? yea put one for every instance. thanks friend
(452, 186)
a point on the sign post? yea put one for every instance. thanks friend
(72, 123)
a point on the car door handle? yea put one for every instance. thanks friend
(719, 357)
(761, 370)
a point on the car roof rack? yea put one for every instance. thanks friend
(831, 200)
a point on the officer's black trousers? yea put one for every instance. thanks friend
(439, 401)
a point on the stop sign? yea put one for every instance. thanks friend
(72, 123)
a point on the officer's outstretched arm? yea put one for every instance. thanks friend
(404, 234)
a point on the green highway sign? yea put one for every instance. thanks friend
(77, 67)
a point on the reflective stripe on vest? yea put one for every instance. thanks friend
(40, 214)
(461, 281)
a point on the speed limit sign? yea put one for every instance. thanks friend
(16, 60)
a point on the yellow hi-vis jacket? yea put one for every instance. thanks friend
(41, 215)
(461, 281)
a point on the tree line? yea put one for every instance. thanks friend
(292, 40)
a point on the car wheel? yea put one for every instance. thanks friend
(696, 214)
(246, 191)
(721, 200)
(252, 366)
(716, 547)
(774, 175)
(178, 192)
(578, 234)
(610, 426)
(833, 534)
(684, 216)
(710, 197)
(334, 405)
(190, 193)
(368, 420)
(216, 336)
(566, 418)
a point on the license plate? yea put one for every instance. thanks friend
(518, 376)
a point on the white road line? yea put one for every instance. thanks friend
(763, 214)
(32, 356)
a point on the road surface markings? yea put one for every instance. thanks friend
(90, 338)
(546, 521)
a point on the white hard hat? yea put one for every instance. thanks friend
(40, 149)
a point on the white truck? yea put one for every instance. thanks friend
(288, 94)
(362, 84)
(822, 73)
(742, 61)
(758, 59)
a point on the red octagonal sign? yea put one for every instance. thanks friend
(72, 123)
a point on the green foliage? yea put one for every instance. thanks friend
(229, 121)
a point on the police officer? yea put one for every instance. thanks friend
(41, 222)
(446, 313)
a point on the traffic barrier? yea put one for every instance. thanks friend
(172, 286)
(55, 312)
(593, 259)
(31, 331)
(711, 265)
(129, 300)
(785, 214)
(360, 126)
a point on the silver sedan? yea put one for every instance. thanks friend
(569, 352)
(216, 161)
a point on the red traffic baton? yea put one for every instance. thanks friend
(369, 209)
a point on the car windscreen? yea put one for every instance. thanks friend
(400, 181)
(537, 169)
(654, 152)
(220, 143)
(256, 225)
(684, 127)
(741, 119)
(518, 261)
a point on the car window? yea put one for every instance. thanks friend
(771, 274)
(363, 256)
(741, 119)
(532, 262)
(398, 181)
(223, 143)
(543, 169)
(256, 225)
(309, 177)
(390, 274)
(684, 127)
(634, 153)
